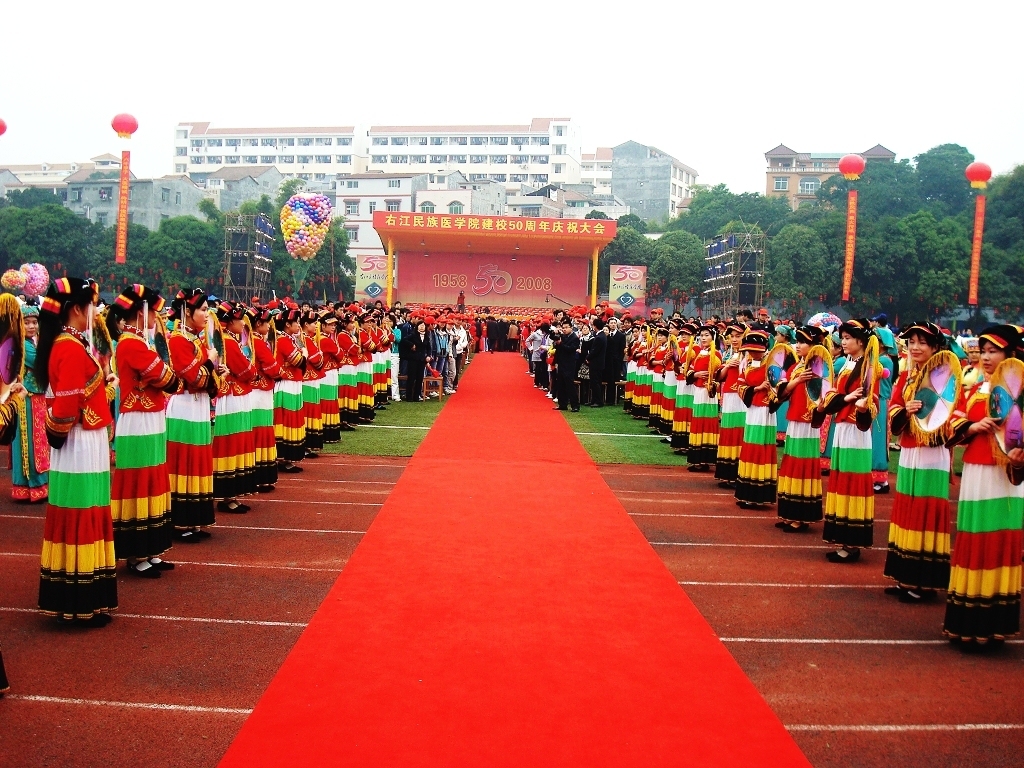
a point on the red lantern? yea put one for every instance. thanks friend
(977, 173)
(125, 125)
(852, 166)
(3, 127)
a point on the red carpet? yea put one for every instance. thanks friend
(503, 610)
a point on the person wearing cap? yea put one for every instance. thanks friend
(972, 371)
(348, 380)
(670, 391)
(660, 353)
(704, 426)
(140, 494)
(30, 453)
(880, 433)
(689, 347)
(234, 451)
(800, 492)
(395, 335)
(850, 499)
(289, 421)
(268, 371)
(364, 369)
(733, 413)
(784, 334)
(983, 599)
(757, 473)
(629, 392)
(312, 412)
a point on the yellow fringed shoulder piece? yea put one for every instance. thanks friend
(12, 326)
(919, 383)
(870, 372)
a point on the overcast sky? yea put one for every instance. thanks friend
(715, 84)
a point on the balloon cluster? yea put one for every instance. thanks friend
(305, 219)
(13, 280)
(32, 280)
(37, 279)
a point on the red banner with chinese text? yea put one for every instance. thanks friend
(979, 227)
(851, 243)
(121, 244)
(492, 279)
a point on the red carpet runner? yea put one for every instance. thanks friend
(503, 610)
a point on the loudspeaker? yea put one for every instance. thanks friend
(748, 278)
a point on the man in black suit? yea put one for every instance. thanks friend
(566, 358)
(614, 356)
(502, 340)
(596, 359)
(492, 334)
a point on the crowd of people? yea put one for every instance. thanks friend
(137, 423)
(770, 409)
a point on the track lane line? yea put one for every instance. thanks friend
(331, 570)
(838, 641)
(196, 619)
(910, 728)
(240, 527)
(129, 704)
(777, 585)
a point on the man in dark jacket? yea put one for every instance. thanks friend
(614, 357)
(566, 357)
(596, 359)
(502, 340)
(492, 334)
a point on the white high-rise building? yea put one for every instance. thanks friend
(543, 152)
(313, 154)
(597, 170)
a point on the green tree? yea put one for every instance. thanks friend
(940, 176)
(596, 214)
(799, 268)
(628, 247)
(634, 221)
(884, 189)
(713, 208)
(677, 270)
(49, 234)
(210, 210)
(31, 197)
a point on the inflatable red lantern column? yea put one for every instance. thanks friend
(851, 166)
(125, 125)
(978, 174)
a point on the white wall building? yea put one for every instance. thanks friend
(545, 151)
(313, 154)
(361, 194)
(596, 169)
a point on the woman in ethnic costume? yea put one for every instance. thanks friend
(77, 578)
(800, 474)
(642, 349)
(668, 400)
(629, 392)
(289, 419)
(850, 500)
(140, 497)
(704, 426)
(734, 413)
(783, 335)
(983, 601)
(656, 363)
(311, 377)
(348, 381)
(919, 532)
(381, 353)
(759, 467)
(364, 370)
(234, 448)
(189, 436)
(268, 371)
(30, 453)
(683, 413)
(880, 427)
(329, 383)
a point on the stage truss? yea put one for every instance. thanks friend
(248, 259)
(734, 273)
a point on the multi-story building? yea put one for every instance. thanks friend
(55, 175)
(547, 150)
(313, 154)
(565, 201)
(361, 194)
(797, 176)
(150, 201)
(454, 193)
(233, 185)
(651, 182)
(596, 169)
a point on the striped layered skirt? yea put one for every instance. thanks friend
(627, 398)
(668, 403)
(329, 406)
(985, 578)
(140, 494)
(313, 414)
(704, 428)
(850, 500)
(758, 470)
(77, 578)
(289, 420)
(190, 460)
(730, 437)
(681, 416)
(348, 394)
(657, 394)
(800, 475)
(380, 377)
(234, 450)
(364, 385)
(918, 553)
(264, 441)
(642, 393)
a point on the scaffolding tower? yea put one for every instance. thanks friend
(734, 266)
(248, 259)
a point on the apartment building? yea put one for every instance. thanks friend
(315, 154)
(361, 194)
(150, 201)
(596, 170)
(547, 150)
(651, 182)
(798, 176)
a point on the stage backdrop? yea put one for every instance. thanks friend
(371, 276)
(492, 280)
(628, 289)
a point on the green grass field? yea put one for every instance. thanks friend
(390, 433)
(622, 439)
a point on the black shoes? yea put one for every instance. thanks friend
(161, 565)
(843, 556)
(144, 573)
(289, 468)
(790, 528)
(233, 507)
